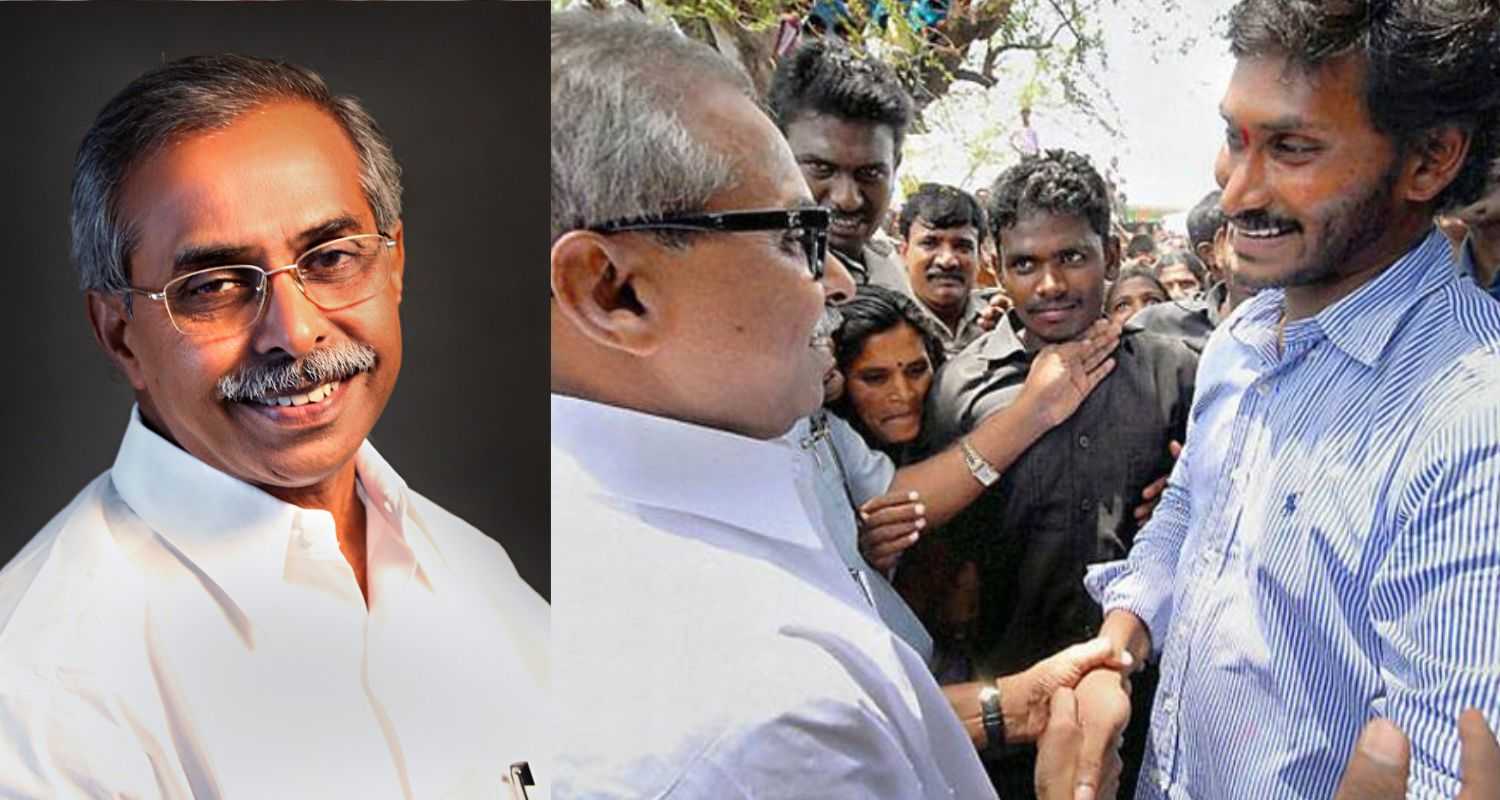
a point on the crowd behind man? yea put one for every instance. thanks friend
(1298, 567)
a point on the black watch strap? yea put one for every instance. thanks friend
(994, 723)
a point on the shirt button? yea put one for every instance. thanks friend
(1085, 504)
(1083, 441)
(1263, 390)
(1162, 780)
(1169, 705)
(389, 507)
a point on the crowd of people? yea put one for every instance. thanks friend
(1151, 515)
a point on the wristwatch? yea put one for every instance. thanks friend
(983, 471)
(994, 724)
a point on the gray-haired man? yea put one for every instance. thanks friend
(251, 602)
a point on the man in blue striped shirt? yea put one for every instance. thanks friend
(1328, 549)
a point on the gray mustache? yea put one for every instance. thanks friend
(262, 381)
(828, 324)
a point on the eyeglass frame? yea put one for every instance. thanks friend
(265, 282)
(814, 220)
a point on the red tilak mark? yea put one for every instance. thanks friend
(1244, 134)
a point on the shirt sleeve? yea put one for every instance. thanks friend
(868, 471)
(1142, 583)
(1435, 598)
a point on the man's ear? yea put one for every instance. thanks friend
(1205, 252)
(600, 286)
(398, 259)
(1434, 162)
(1111, 257)
(110, 324)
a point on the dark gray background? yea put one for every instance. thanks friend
(459, 90)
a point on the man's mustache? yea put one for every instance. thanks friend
(261, 381)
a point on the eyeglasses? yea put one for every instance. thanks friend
(222, 300)
(810, 225)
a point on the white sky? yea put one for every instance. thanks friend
(1167, 114)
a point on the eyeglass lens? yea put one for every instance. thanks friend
(333, 275)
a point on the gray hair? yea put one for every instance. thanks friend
(195, 94)
(620, 148)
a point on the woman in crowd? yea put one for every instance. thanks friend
(887, 360)
(1135, 289)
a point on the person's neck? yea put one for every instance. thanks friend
(335, 494)
(951, 318)
(338, 496)
(1400, 238)
(857, 255)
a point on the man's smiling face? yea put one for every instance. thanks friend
(1308, 181)
(850, 166)
(277, 181)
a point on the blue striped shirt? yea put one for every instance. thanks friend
(1328, 548)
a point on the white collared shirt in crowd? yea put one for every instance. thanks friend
(175, 632)
(709, 641)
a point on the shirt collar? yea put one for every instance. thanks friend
(656, 461)
(1363, 323)
(1004, 342)
(235, 532)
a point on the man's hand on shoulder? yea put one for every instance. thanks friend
(1063, 375)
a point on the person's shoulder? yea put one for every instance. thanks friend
(480, 559)
(65, 582)
(1174, 316)
(1141, 347)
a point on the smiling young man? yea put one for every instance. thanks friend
(1070, 499)
(845, 116)
(251, 602)
(1328, 548)
(940, 244)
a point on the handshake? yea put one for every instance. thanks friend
(1075, 705)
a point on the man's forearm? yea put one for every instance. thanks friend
(944, 482)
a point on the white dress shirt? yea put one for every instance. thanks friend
(709, 641)
(175, 632)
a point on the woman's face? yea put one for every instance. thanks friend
(888, 382)
(1131, 295)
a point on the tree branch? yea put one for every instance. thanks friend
(987, 81)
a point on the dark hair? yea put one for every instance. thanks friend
(1205, 220)
(941, 206)
(1429, 65)
(824, 76)
(1131, 273)
(1140, 244)
(1054, 182)
(874, 310)
(1181, 257)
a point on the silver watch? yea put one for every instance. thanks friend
(983, 471)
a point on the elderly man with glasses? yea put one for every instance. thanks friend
(251, 602)
(711, 641)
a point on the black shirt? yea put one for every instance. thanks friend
(1066, 503)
